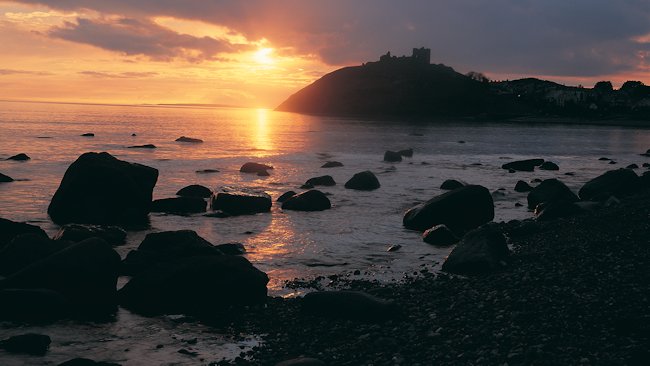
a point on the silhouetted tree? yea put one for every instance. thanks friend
(631, 85)
(477, 76)
(604, 86)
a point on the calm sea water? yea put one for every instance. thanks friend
(353, 235)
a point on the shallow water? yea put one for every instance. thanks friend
(353, 235)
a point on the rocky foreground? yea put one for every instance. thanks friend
(575, 293)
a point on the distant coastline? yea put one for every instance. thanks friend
(160, 105)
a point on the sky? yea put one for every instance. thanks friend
(258, 52)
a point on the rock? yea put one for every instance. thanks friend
(632, 166)
(241, 202)
(179, 205)
(133, 135)
(646, 165)
(556, 209)
(254, 168)
(550, 190)
(522, 186)
(407, 153)
(301, 361)
(325, 180)
(439, 235)
(30, 343)
(392, 156)
(394, 248)
(100, 189)
(332, 164)
(86, 362)
(32, 305)
(480, 251)
(460, 210)
(231, 248)
(189, 139)
(146, 146)
(354, 305)
(285, 196)
(451, 184)
(604, 159)
(364, 181)
(85, 273)
(612, 183)
(166, 246)
(195, 285)
(113, 235)
(548, 165)
(26, 249)
(19, 157)
(207, 171)
(263, 173)
(88, 134)
(10, 229)
(612, 162)
(523, 165)
(312, 200)
(195, 190)
(5, 178)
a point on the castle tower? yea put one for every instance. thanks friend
(421, 56)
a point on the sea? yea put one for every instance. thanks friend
(351, 239)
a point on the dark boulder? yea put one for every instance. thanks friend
(30, 344)
(460, 210)
(439, 235)
(19, 157)
(407, 153)
(100, 189)
(207, 171)
(5, 178)
(604, 159)
(113, 235)
(451, 184)
(364, 181)
(251, 167)
(146, 146)
(231, 248)
(26, 249)
(480, 251)
(392, 156)
(301, 361)
(550, 190)
(332, 164)
(285, 196)
(241, 201)
(87, 362)
(522, 186)
(179, 205)
(612, 183)
(353, 305)
(166, 246)
(554, 210)
(523, 165)
(195, 285)
(325, 180)
(632, 166)
(88, 134)
(549, 165)
(191, 140)
(195, 190)
(32, 305)
(85, 273)
(10, 229)
(312, 200)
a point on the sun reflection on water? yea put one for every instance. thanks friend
(262, 143)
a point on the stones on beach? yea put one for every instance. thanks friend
(549, 165)
(550, 190)
(324, 180)
(113, 235)
(522, 186)
(285, 196)
(179, 205)
(87, 134)
(332, 164)
(407, 153)
(612, 183)
(195, 190)
(312, 200)
(30, 344)
(195, 285)
(353, 305)
(10, 229)
(482, 250)
(256, 168)
(392, 156)
(527, 165)
(26, 249)
(363, 181)
(241, 201)
(451, 184)
(462, 209)
(100, 189)
(439, 235)
(5, 178)
(190, 140)
(146, 146)
(19, 157)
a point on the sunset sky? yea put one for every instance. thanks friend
(257, 53)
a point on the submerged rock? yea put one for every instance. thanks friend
(407, 153)
(439, 235)
(451, 184)
(612, 183)
(241, 201)
(195, 190)
(88, 134)
(392, 156)
(480, 251)
(189, 139)
(113, 235)
(146, 146)
(364, 181)
(312, 200)
(207, 171)
(325, 180)
(86, 362)
(527, 165)
(353, 305)
(251, 167)
(332, 164)
(549, 165)
(522, 186)
(19, 157)
(100, 189)
(550, 190)
(179, 205)
(5, 178)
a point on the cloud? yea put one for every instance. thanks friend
(23, 72)
(121, 75)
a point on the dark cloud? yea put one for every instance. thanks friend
(121, 75)
(552, 37)
(23, 72)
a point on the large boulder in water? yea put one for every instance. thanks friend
(451, 184)
(480, 251)
(114, 235)
(312, 200)
(550, 190)
(460, 210)
(522, 186)
(439, 235)
(179, 205)
(19, 157)
(354, 305)
(10, 229)
(26, 249)
(251, 167)
(612, 183)
(5, 178)
(191, 140)
(195, 190)
(527, 165)
(195, 285)
(364, 181)
(549, 165)
(241, 201)
(324, 180)
(85, 273)
(100, 189)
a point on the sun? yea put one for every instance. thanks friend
(263, 56)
